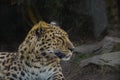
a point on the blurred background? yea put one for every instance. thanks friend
(88, 22)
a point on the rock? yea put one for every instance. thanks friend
(104, 46)
(85, 49)
(110, 59)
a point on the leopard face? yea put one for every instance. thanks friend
(48, 41)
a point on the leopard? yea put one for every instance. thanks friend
(39, 56)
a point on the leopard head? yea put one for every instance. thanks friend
(47, 40)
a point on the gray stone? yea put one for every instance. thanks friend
(110, 59)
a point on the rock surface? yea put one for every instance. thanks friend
(104, 46)
(110, 59)
(103, 52)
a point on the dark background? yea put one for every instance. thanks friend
(77, 17)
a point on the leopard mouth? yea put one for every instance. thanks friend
(63, 56)
(60, 54)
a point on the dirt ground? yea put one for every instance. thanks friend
(90, 72)
(96, 76)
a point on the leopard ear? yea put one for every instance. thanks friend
(43, 26)
(54, 23)
(37, 33)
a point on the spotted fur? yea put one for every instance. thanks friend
(39, 56)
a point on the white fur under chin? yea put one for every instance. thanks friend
(67, 57)
(39, 73)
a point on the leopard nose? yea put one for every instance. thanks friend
(71, 49)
